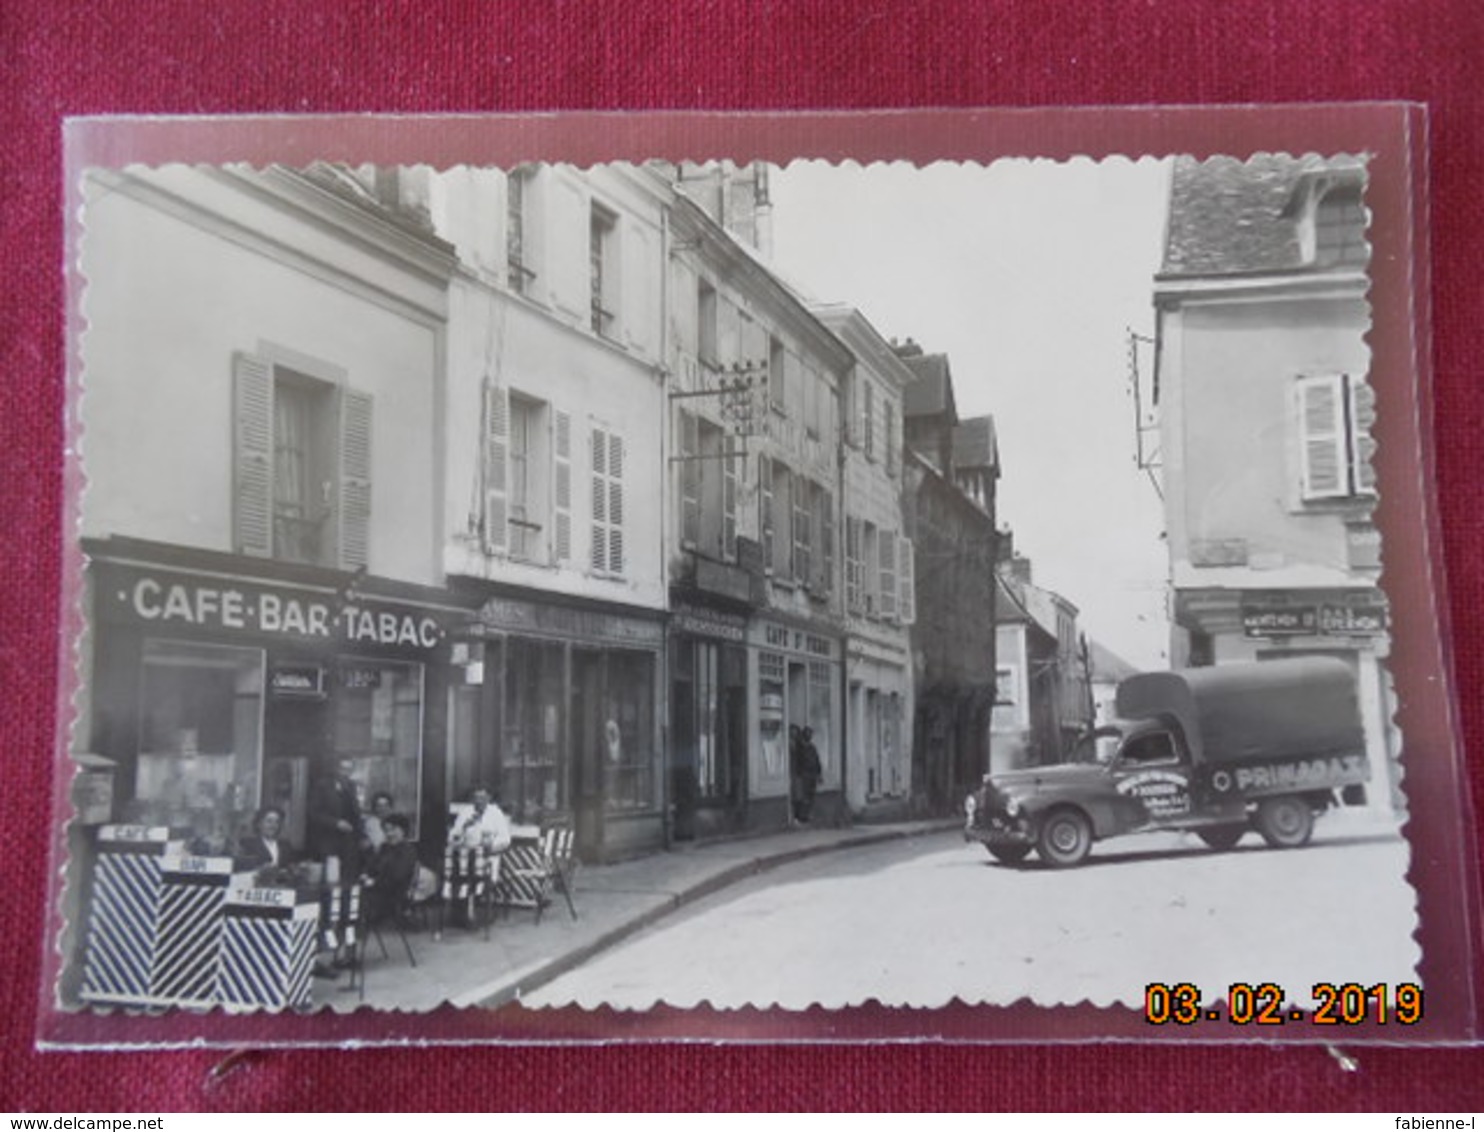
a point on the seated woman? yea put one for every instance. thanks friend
(391, 872)
(263, 847)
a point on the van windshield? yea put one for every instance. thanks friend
(1096, 746)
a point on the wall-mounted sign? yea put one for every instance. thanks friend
(1325, 619)
(297, 680)
(166, 599)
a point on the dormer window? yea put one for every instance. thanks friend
(1340, 227)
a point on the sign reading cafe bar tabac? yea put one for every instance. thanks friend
(166, 601)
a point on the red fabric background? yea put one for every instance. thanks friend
(269, 55)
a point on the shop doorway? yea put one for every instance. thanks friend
(588, 749)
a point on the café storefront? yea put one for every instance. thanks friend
(796, 682)
(559, 713)
(217, 684)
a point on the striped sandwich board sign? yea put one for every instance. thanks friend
(269, 936)
(187, 957)
(525, 881)
(124, 913)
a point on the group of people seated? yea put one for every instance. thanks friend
(382, 854)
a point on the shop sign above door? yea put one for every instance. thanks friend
(169, 600)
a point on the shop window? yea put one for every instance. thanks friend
(376, 723)
(302, 452)
(710, 717)
(531, 778)
(772, 674)
(822, 709)
(628, 732)
(1335, 415)
(200, 739)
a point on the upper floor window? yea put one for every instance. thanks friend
(777, 374)
(1340, 228)
(527, 477)
(709, 475)
(707, 324)
(603, 249)
(302, 453)
(1335, 414)
(608, 502)
(517, 251)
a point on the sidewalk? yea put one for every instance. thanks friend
(613, 902)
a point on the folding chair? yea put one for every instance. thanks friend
(470, 879)
(369, 926)
(559, 844)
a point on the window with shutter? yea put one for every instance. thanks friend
(355, 479)
(608, 502)
(906, 583)
(827, 540)
(803, 551)
(1335, 416)
(870, 570)
(1362, 419)
(301, 466)
(853, 595)
(691, 473)
(252, 513)
(731, 472)
(868, 420)
(561, 477)
(765, 509)
(888, 584)
(496, 468)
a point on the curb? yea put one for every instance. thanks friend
(509, 989)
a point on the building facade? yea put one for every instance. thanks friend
(948, 508)
(754, 554)
(554, 434)
(879, 576)
(1266, 416)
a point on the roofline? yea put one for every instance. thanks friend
(850, 325)
(715, 242)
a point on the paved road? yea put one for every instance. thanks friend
(923, 921)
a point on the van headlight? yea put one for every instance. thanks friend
(970, 805)
(1012, 807)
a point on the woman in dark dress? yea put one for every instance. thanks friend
(391, 872)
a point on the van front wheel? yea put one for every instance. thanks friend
(1285, 823)
(1065, 838)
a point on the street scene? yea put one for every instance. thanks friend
(926, 920)
(729, 583)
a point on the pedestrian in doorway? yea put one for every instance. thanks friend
(334, 839)
(807, 771)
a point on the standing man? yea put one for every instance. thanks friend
(806, 771)
(334, 837)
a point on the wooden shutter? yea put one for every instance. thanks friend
(765, 509)
(827, 540)
(561, 476)
(906, 582)
(730, 473)
(868, 420)
(496, 468)
(599, 557)
(887, 544)
(852, 564)
(1362, 446)
(615, 503)
(801, 489)
(252, 456)
(690, 479)
(1322, 439)
(353, 515)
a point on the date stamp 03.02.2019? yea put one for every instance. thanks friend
(1268, 1004)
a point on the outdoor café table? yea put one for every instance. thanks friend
(269, 939)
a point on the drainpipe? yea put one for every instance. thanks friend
(666, 495)
(841, 538)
